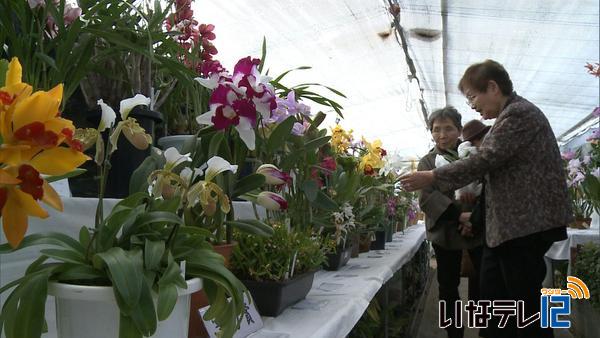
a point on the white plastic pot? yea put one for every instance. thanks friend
(92, 311)
(176, 141)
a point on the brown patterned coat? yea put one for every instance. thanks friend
(526, 189)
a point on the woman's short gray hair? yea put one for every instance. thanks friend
(448, 112)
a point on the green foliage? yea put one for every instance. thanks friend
(137, 250)
(587, 268)
(47, 60)
(272, 258)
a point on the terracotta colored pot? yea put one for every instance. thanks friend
(581, 223)
(354, 242)
(364, 244)
(200, 300)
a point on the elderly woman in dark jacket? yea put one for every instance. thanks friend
(445, 218)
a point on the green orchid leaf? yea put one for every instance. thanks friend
(280, 134)
(3, 70)
(253, 227)
(153, 252)
(215, 144)
(67, 256)
(316, 122)
(144, 314)
(310, 188)
(84, 237)
(125, 269)
(73, 173)
(127, 327)
(263, 54)
(325, 202)
(172, 275)
(316, 143)
(247, 184)
(52, 238)
(139, 177)
(167, 297)
(278, 79)
(32, 306)
(79, 272)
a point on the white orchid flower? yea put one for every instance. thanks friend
(173, 158)
(128, 104)
(189, 175)
(108, 116)
(217, 165)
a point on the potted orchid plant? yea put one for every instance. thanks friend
(136, 266)
(579, 167)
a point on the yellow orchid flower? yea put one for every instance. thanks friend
(340, 139)
(32, 133)
(373, 159)
(32, 129)
(19, 191)
(208, 194)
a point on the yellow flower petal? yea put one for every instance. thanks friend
(6, 178)
(39, 107)
(14, 73)
(56, 92)
(57, 161)
(57, 125)
(14, 215)
(14, 224)
(51, 197)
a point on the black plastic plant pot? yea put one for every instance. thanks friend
(379, 242)
(271, 298)
(128, 158)
(338, 259)
(124, 161)
(389, 234)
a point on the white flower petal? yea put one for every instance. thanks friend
(108, 116)
(173, 157)
(206, 118)
(211, 83)
(246, 132)
(217, 165)
(128, 104)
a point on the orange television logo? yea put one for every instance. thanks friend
(576, 288)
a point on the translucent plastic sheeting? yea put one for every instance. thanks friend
(544, 45)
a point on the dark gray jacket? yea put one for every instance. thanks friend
(442, 212)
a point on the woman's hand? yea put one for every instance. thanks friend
(464, 226)
(467, 197)
(417, 180)
(464, 217)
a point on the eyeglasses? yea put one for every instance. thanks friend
(470, 100)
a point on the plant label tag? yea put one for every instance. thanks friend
(251, 322)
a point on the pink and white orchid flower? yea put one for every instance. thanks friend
(271, 201)
(236, 100)
(273, 175)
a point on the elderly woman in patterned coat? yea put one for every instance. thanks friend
(527, 204)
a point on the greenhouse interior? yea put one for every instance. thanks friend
(292, 169)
